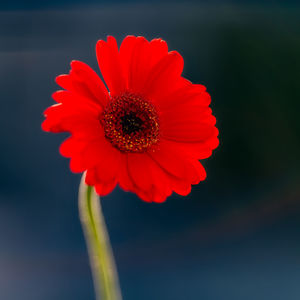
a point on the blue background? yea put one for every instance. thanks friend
(237, 235)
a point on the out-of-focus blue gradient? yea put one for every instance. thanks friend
(237, 235)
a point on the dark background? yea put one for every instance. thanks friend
(237, 235)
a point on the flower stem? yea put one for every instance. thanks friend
(100, 254)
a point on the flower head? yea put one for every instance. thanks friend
(146, 131)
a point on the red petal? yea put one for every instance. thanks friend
(162, 187)
(84, 81)
(126, 54)
(190, 133)
(158, 49)
(90, 80)
(139, 68)
(178, 165)
(197, 151)
(154, 180)
(76, 101)
(76, 164)
(106, 188)
(163, 75)
(88, 131)
(76, 149)
(71, 147)
(102, 187)
(103, 158)
(183, 113)
(184, 93)
(124, 180)
(66, 117)
(149, 181)
(139, 170)
(138, 57)
(188, 123)
(109, 63)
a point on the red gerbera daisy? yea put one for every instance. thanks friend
(146, 131)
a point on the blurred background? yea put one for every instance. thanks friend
(237, 235)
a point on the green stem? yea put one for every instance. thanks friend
(101, 258)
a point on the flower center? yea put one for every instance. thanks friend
(130, 123)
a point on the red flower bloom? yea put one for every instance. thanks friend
(147, 133)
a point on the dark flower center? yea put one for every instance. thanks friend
(131, 123)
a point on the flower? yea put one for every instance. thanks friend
(145, 132)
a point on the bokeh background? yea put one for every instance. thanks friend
(237, 235)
